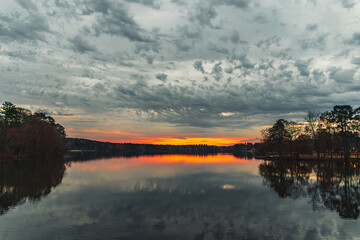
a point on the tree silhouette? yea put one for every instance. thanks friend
(336, 131)
(28, 135)
(278, 135)
(346, 123)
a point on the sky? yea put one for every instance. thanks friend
(178, 71)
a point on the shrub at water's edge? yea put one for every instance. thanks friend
(28, 135)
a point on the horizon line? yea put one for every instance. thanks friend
(162, 144)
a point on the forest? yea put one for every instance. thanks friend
(27, 135)
(332, 134)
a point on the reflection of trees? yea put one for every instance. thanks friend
(330, 185)
(286, 179)
(244, 155)
(27, 180)
(189, 205)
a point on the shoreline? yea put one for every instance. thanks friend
(307, 158)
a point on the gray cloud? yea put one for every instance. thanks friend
(81, 45)
(188, 36)
(24, 55)
(303, 67)
(179, 2)
(109, 57)
(91, 6)
(266, 43)
(348, 3)
(243, 4)
(342, 75)
(318, 42)
(202, 107)
(244, 62)
(27, 4)
(115, 20)
(260, 19)
(218, 49)
(356, 61)
(229, 70)
(162, 77)
(98, 87)
(61, 4)
(198, 65)
(355, 40)
(217, 71)
(183, 45)
(190, 33)
(312, 27)
(31, 27)
(235, 37)
(151, 3)
(204, 15)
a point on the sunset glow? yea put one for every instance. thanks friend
(221, 141)
(117, 136)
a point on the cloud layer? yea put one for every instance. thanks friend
(179, 67)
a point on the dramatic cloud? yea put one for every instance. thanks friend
(159, 68)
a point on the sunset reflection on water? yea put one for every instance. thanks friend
(183, 197)
(117, 163)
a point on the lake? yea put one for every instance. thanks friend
(180, 197)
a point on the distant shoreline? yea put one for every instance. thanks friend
(306, 158)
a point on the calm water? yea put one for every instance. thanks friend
(180, 197)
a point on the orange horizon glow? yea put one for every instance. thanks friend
(217, 141)
(211, 141)
(115, 136)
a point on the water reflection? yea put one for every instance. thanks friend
(27, 180)
(83, 156)
(180, 197)
(330, 185)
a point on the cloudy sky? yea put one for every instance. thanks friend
(213, 71)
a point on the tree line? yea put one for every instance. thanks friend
(24, 134)
(331, 134)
